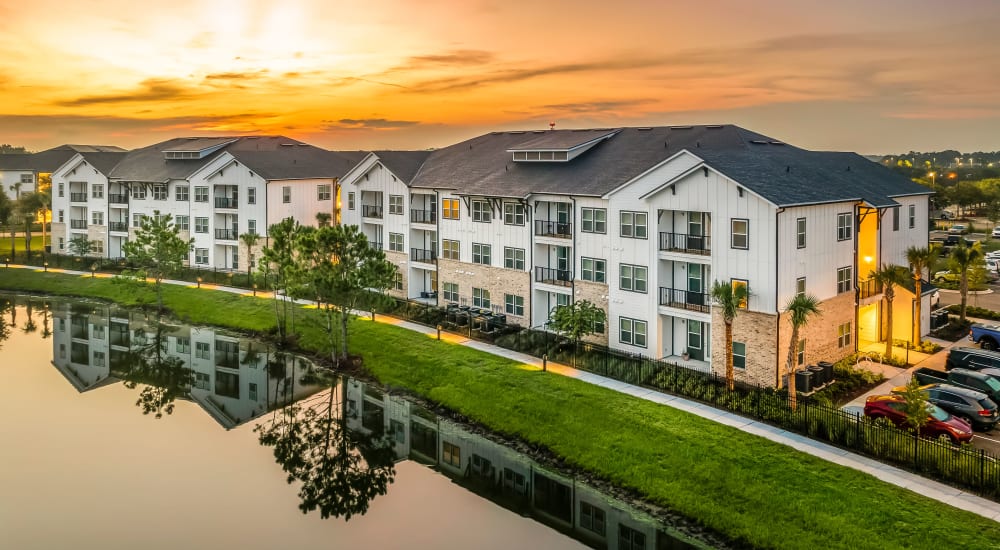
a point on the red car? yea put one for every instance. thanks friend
(939, 422)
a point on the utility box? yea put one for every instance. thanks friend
(803, 381)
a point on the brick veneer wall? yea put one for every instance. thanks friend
(498, 281)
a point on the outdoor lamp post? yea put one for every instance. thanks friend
(45, 266)
(7, 262)
(255, 289)
(93, 270)
(199, 281)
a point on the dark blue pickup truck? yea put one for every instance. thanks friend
(987, 336)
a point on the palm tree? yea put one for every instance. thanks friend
(730, 298)
(323, 219)
(799, 309)
(28, 206)
(250, 240)
(962, 259)
(889, 276)
(920, 259)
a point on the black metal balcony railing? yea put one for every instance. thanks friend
(553, 229)
(226, 234)
(371, 211)
(78, 224)
(868, 288)
(683, 242)
(118, 226)
(118, 199)
(423, 216)
(685, 299)
(375, 245)
(422, 255)
(561, 277)
(225, 202)
(77, 197)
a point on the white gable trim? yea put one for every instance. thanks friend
(649, 170)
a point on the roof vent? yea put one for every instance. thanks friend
(776, 143)
(758, 142)
(681, 127)
(714, 126)
(644, 129)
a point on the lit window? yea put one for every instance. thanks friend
(450, 209)
(451, 454)
(844, 335)
(449, 249)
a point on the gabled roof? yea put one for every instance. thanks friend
(404, 164)
(103, 162)
(549, 140)
(16, 161)
(50, 160)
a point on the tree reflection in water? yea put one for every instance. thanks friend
(340, 470)
(163, 377)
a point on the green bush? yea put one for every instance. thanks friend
(973, 311)
(925, 346)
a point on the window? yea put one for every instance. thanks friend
(201, 256)
(740, 283)
(800, 354)
(480, 253)
(481, 212)
(137, 220)
(513, 305)
(594, 220)
(740, 234)
(251, 195)
(630, 539)
(844, 335)
(139, 192)
(97, 191)
(633, 225)
(182, 223)
(98, 358)
(350, 200)
(286, 194)
(396, 242)
(739, 355)
(201, 225)
(97, 246)
(632, 277)
(800, 233)
(27, 178)
(397, 280)
(62, 243)
(912, 214)
(395, 204)
(183, 344)
(451, 454)
(62, 189)
(592, 518)
(252, 227)
(593, 270)
(800, 286)
(201, 194)
(481, 298)
(182, 192)
(202, 350)
(513, 258)
(513, 213)
(450, 209)
(449, 249)
(160, 192)
(844, 226)
(843, 279)
(97, 218)
(323, 192)
(397, 430)
(895, 219)
(450, 292)
(632, 331)
(253, 391)
(98, 332)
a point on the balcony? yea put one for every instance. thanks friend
(121, 227)
(683, 242)
(226, 234)
(561, 277)
(226, 202)
(868, 288)
(375, 245)
(371, 211)
(118, 199)
(553, 229)
(685, 299)
(423, 216)
(77, 197)
(422, 255)
(78, 224)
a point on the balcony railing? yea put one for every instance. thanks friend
(423, 216)
(683, 242)
(78, 224)
(553, 229)
(422, 255)
(225, 202)
(375, 245)
(226, 234)
(118, 226)
(371, 211)
(869, 288)
(561, 277)
(118, 199)
(685, 299)
(77, 197)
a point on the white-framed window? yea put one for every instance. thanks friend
(513, 304)
(98, 358)
(449, 292)
(182, 193)
(513, 213)
(323, 192)
(159, 192)
(633, 225)
(62, 216)
(736, 283)
(843, 279)
(481, 212)
(396, 204)
(201, 225)
(97, 246)
(739, 355)
(201, 194)
(449, 249)
(800, 286)
(139, 191)
(513, 258)
(481, 254)
(592, 518)
(183, 344)
(202, 350)
(251, 195)
(451, 454)
(350, 200)
(27, 178)
(844, 335)
(253, 391)
(740, 233)
(62, 243)
(630, 539)
(594, 220)
(481, 298)
(397, 280)
(62, 189)
(286, 194)
(632, 331)
(593, 269)
(97, 191)
(895, 219)
(844, 225)
(137, 220)
(98, 332)
(800, 233)
(632, 277)
(252, 227)
(912, 215)
(450, 209)
(201, 256)
(183, 223)
(97, 218)
(396, 243)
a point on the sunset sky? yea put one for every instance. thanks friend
(874, 77)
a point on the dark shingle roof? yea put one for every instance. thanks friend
(404, 164)
(16, 161)
(104, 162)
(549, 140)
(51, 159)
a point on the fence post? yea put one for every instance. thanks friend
(982, 468)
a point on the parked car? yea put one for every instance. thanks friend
(936, 298)
(974, 407)
(957, 228)
(987, 336)
(939, 423)
(996, 233)
(953, 240)
(972, 359)
(946, 215)
(964, 378)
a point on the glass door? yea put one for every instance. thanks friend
(695, 294)
(694, 340)
(696, 231)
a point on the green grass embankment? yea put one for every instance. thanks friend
(743, 486)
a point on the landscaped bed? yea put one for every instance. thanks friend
(754, 491)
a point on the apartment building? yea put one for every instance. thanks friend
(20, 173)
(642, 221)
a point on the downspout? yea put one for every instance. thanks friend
(777, 318)
(437, 240)
(529, 209)
(572, 281)
(855, 232)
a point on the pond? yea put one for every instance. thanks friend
(126, 431)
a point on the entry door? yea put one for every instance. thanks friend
(694, 286)
(695, 345)
(696, 231)
(562, 258)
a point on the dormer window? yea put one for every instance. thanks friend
(195, 148)
(558, 145)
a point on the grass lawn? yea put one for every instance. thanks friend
(745, 487)
(36, 242)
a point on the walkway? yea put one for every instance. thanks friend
(889, 474)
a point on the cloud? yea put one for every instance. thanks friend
(151, 89)
(596, 106)
(238, 75)
(367, 124)
(451, 58)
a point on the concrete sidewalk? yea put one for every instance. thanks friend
(889, 474)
